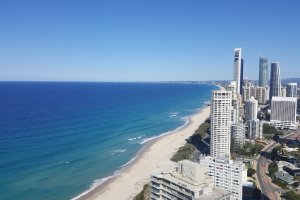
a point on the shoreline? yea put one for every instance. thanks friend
(132, 177)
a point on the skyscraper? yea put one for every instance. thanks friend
(291, 90)
(237, 68)
(220, 123)
(263, 72)
(235, 102)
(275, 82)
(242, 76)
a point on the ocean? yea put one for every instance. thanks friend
(58, 139)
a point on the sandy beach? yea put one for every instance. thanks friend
(132, 180)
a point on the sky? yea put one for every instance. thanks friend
(145, 40)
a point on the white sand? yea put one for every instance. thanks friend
(131, 181)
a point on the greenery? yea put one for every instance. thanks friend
(268, 129)
(203, 129)
(250, 149)
(144, 194)
(250, 172)
(268, 136)
(183, 152)
(280, 183)
(276, 152)
(291, 195)
(273, 168)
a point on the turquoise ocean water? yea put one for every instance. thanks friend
(59, 139)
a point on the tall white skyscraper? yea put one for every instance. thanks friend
(237, 71)
(220, 123)
(251, 106)
(291, 90)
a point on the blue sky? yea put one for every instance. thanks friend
(145, 40)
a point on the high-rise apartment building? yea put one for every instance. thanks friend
(220, 123)
(237, 71)
(262, 94)
(227, 174)
(251, 107)
(283, 112)
(298, 105)
(184, 180)
(235, 101)
(255, 128)
(291, 90)
(263, 72)
(248, 92)
(275, 81)
(238, 135)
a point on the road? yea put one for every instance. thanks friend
(268, 190)
(266, 186)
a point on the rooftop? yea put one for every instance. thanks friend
(284, 176)
(294, 99)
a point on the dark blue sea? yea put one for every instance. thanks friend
(59, 139)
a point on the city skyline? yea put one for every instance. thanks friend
(144, 41)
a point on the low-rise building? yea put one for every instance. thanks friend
(184, 180)
(227, 174)
(285, 177)
(292, 169)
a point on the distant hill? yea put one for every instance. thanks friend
(291, 80)
(284, 81)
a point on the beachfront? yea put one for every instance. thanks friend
(132, 180)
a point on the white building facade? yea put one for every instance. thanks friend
(227, 174)
(283, 112)
(235, 112)
(262, 95)
(283, 91)
(221, 110)
(251, 107)
(184, 180)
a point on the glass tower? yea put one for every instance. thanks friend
(263, 72)
(275, 82)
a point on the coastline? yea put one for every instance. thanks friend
(132, 177)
